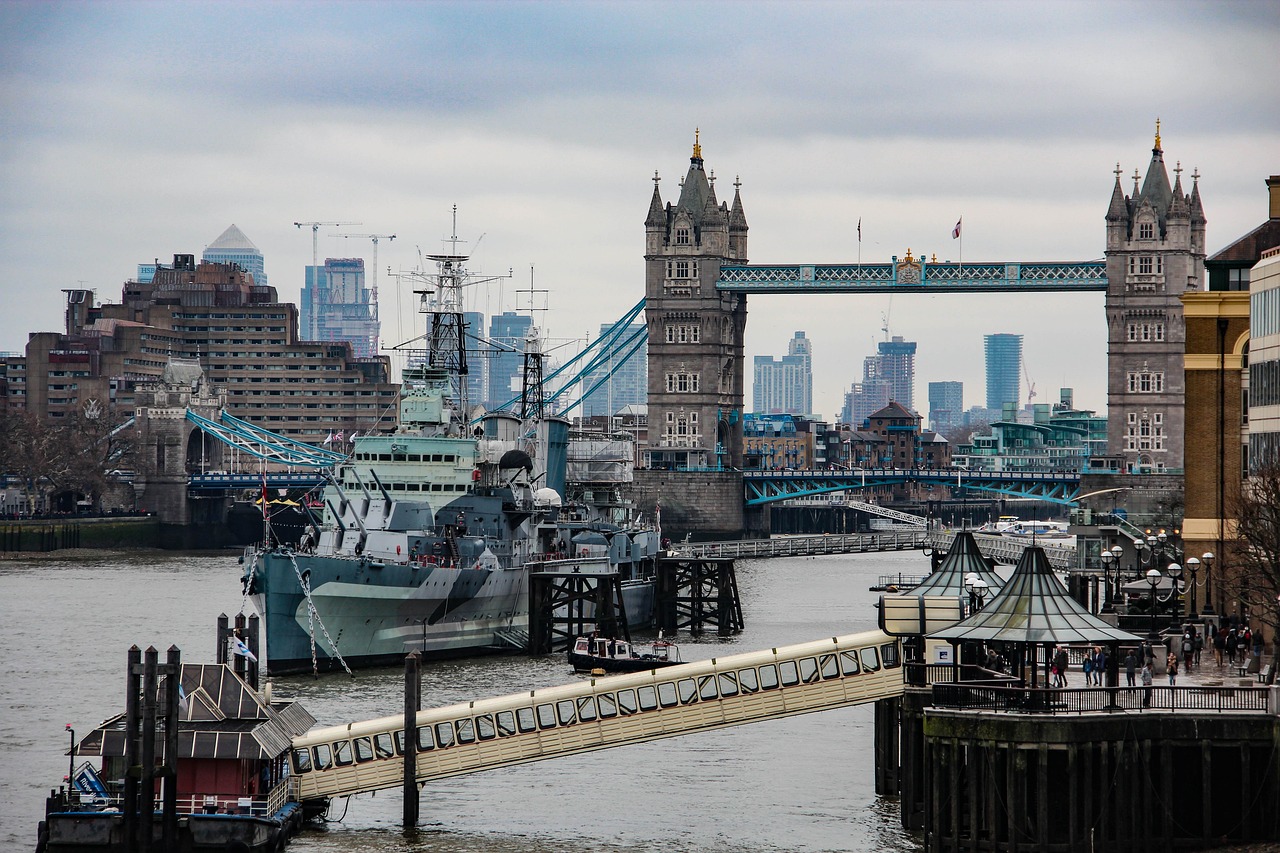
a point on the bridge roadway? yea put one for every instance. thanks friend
(599, 713)
(917, 275)
(1060, 487)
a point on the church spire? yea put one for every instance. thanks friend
(657, 216)
(1118, 210)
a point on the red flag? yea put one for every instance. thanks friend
(264, 494)
(955, 232)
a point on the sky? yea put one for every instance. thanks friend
(134, 131)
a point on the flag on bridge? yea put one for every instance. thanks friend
(955, 232)
(859, 229)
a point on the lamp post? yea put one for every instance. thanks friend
(977, 589)
(1207, 558)
(1174, 571)
(1153, 578)
(71, 762)
(1107, 560)
(1193, 566)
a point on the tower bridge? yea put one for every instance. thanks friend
(916, 275)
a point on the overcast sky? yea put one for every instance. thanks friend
(133, 131)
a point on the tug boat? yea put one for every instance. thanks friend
(589, 654)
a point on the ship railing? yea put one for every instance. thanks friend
(987, 697)
(224, 804)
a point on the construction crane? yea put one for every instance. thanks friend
(373, 284)
(315, 242)
(1031, 386)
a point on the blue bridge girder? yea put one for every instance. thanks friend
(762, 487)
(274, 480)
(916, 275)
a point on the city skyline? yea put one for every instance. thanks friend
(111, 159)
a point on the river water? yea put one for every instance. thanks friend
(800, 784)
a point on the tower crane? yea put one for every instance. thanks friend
(1031, 386)
(373, 285)
(315, 241)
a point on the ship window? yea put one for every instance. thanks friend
(382, 745)
(849, 662)
(749, 680)
(324, 757)
(384, 457)
(728, 684)
(364, 749)
(436, 457)
(790, 676)
(484, 727)
(587, 709)
(666, 694)
(413, 487)
(424, 739)
(565, 712)
(415, 457)
(466, 731)
(687, 689)
(890, 655)
(829, 666)
(546, 716)
(506, 723)
(808, 670)
(608, 705)
(444, 734)
(399, 457)
(301, 761)
(525, 720)
(870, 660)
(707, 687)
(626, 701)
(768, 676)
(648, 697)
(435, 487)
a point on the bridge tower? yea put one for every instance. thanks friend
(695, 333)
(169, 448)
(1155, 253)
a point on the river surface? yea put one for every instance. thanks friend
(800, 784)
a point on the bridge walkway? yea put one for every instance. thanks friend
(803, 545)
(599, 713)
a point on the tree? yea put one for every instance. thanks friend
(1252, 567)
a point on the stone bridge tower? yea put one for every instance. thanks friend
(169, 448)
(1155, 253)
(695, 333)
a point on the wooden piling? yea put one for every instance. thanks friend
(133, 744)
(412, 691)
(147, 782)
(169, 805)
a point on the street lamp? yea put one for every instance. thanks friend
(1193, 566)
(1153, 578)
(1207, 558)
(1174, 572)
(977, 589)
(1107, 561)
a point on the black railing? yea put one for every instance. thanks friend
(977, 697)
(920, 674)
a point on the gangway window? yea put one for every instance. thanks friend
(301, 761)
(769, 676)
(525, 720)
(890, 655)
(382, 745)
(608, 705)
(667, 694)
(830, 668)
(507, 723)
(466, 731)
(587, 709)
(565, 712)
(484, 727)
(808, 670)
(324, 757)
(728, 684)
(547, 716)
(870, 659)
(749, 681)
(444, 734)
(648, 697)
(687, 689)
(790, 675)
(364, 749)
(849, 662)
(342, 752)
(400, 742)
(424, 738)
(707, 687)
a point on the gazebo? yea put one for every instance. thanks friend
(962, 560)
(1033, 610)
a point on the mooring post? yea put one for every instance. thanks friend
(172, 696)
(147, 782)
(412, 691)
(220, 648)
(132, 745)
(252, 642)
(240, 663)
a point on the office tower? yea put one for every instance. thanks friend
(232, 247)
(946, 405)
(898, 368)
(1004, 369)
(505, 369)
(477, 358)
(620, 383)
(336, 306)
(865, 397)
(785, 385)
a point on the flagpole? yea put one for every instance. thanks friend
(859, 248)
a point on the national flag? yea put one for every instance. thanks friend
(265, 498)
(243, 650)
(859, 229)
(328, 439)
(955, 232)
(352, 438)
(338, 437)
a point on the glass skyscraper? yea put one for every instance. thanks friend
(627, 383)
(946, 404)
(505, 371)
(785, 386)
(232, 247)
(1004, 369)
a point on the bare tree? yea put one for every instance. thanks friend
(1252, 567)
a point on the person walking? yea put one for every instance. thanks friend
(1146, 685)
(1172, 664)
(1130, 667)
(1100, 662)
(1219, 646)
(1197, 643)
(1188, 649)
(1232, 642)
(1060, 662)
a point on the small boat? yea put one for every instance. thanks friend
(589, 654)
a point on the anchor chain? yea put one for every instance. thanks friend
(313, 617)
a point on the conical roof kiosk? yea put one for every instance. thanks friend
(962, 560)
(1031, 610)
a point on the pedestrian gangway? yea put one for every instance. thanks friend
(599, 713)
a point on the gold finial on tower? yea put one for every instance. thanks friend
(697, 149)
(1158, 133)
(908, 258)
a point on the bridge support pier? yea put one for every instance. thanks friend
(566, 605)
(696, 592)
(887, 748)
